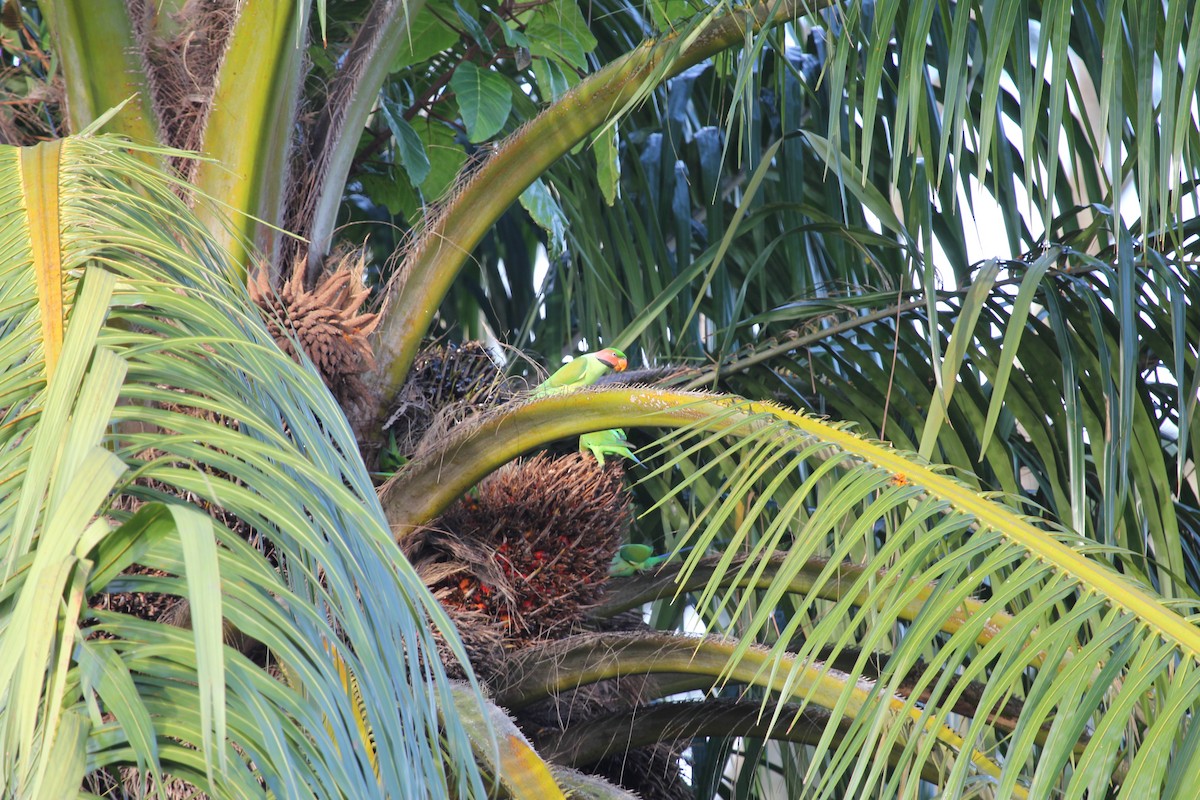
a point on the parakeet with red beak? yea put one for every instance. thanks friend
(582, 371)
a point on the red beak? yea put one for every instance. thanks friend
(614, 358)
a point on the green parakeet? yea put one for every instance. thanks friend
(631, 559)
(582, 371)
(611, 442)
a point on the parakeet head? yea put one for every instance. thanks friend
(614, 358)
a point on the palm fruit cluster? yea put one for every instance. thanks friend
(447, 379)
(326, 321)
(549, 527)
(143, 605)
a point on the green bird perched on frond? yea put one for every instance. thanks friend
(390, 457)
(581, 372)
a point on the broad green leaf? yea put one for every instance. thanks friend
(468, 17)
(484, 100)
(546, 212)
(429, 34)
(409, 146)
(446, 157)
(394, 194)
(666, 12)
(553, 78)
(608, 163)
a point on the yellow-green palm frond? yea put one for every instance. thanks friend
(1083, 651)
(919, 586)
(174, 433)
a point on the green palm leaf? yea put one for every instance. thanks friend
(909, 527)
(170, 391)
(1082, 647)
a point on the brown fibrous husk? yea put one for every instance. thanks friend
(528, 553)
(183, 70)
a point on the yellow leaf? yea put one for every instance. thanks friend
(39, 177)
(524, 772)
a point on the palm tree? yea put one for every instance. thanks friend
(918, 624)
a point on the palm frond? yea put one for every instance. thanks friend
(433, 260)
(946, 587)
(171, 391)
(844, 498)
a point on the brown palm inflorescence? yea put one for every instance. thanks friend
(327, 322)
(528, 553)
(447, 383)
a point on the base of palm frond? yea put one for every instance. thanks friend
(183, 69)
(653, 771)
